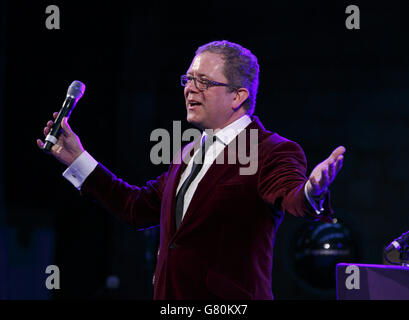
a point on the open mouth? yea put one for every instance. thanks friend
(193, 104)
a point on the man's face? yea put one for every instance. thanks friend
(212, 108)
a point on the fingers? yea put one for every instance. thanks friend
(332, 168)
(40, 144)
(66, 127)
(50, 123)
(47, 128)
(335, 161)
(332, 165)
(324, 174)
(329, 171)
(337, 152)
(46, 131)
(325, 178)
(339, 163)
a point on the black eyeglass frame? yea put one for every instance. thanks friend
(207, 83)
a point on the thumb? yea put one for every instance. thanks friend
(66, 127)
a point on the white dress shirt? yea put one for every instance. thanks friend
(223, 138)
(82, 167)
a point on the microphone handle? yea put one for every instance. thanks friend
(398, 243)
(395, 245)
(55, 131)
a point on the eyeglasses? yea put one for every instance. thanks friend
(202, 84)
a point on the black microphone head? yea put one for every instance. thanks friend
(76, 90)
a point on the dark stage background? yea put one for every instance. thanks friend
(320, 85)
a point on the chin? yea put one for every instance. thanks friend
(193, 119)
(194, 122)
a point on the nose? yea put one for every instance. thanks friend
(190, 87)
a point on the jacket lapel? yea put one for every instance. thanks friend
(206, 185)
(213, 175)
(174, 179)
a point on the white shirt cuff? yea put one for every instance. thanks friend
(80, 169)
(316, 204)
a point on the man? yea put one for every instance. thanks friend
(217, 226)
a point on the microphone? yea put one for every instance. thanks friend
(398, 243)
(74, 93)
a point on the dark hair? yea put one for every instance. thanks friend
(241, 68)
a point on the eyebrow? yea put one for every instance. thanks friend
(200, 74)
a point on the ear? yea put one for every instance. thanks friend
(241, 95)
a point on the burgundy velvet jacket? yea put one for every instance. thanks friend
(224, 246)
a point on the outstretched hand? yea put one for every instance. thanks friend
(324, 173)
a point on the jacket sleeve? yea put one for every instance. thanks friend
(282, 179)
(139, 206)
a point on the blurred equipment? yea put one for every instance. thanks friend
(110, 288)
(319, 248)
(401, 245)
(372, 282)
(112, 282)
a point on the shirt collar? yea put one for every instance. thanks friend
(228, 133)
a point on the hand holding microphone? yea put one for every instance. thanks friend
(60, 140)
